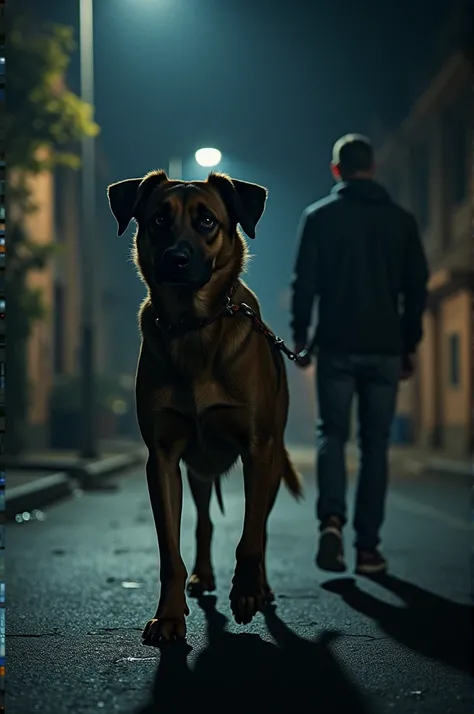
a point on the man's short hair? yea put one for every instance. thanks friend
(353, 153)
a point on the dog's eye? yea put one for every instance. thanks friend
(208, 223)
(160, 221)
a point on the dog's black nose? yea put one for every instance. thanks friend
(177, 257)
(181, 259)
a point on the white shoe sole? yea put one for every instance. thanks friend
(371, 569)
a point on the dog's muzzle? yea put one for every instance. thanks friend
(182, 265)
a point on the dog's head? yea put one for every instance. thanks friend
(185, 229)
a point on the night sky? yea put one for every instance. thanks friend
(271, 84)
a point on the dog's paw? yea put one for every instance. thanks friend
(200, 583)
(160, 631)
(247, 597)
(245, 607)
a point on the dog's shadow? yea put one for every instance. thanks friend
(428, 624)
(243, 672)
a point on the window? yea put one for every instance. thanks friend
(454, 359)
(59, 317)
(459, 154)
(421, 184)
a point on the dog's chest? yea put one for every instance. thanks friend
(209, 393)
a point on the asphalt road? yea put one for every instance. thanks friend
(83, 582)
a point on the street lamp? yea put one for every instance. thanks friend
(88, 392)
(208, 157)
(204, 157)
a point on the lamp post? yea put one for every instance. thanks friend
(206, 157)
(88, 445)
(175, 168)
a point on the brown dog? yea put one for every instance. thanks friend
(210, 387)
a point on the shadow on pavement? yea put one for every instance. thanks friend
(242, 672)
(428, 624)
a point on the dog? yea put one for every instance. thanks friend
(210, 388)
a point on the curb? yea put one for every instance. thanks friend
(442, 466)
(90, 474)
(304, 458)
(48, 489)
(37, 494)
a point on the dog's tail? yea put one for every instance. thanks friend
(217, 486)
(291, 477)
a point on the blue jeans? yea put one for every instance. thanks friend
(374, 379)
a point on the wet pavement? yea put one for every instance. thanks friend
(83, 582)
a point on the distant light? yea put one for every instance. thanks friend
(119, 407)
(208, 157)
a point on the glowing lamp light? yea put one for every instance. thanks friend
(208, 157)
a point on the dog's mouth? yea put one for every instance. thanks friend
(193, 275)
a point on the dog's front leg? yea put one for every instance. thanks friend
(202, 578)
(166, 493)
(249, 588)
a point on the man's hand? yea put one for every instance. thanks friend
(305, 361)
(408, 366)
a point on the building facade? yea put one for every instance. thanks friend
(54, 347)
(66, 275)
(428, 167)
(40, 224)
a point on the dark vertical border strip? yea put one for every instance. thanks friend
(3, 219)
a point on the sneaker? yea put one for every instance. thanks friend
(331, 550)
(370, 562)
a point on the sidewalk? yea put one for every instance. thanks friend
(36, 479)
(39, 479)
(57, 460)
(409, 460)
(32, 490)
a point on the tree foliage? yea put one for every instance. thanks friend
(44, 113)
(45, 122)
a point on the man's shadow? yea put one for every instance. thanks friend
(428, 624)
(242, 672)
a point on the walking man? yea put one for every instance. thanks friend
(361, 256)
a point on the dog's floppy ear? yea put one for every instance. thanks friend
(126, 196)
(244, 201)
(122, 197)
